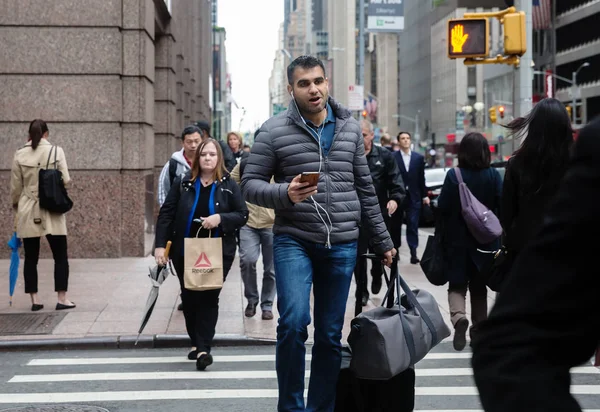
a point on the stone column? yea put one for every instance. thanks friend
(63, 63)
(138, 196)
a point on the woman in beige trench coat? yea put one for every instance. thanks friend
(33, 222)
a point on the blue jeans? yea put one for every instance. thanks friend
(298, 265)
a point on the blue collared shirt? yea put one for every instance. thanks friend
(327, 132)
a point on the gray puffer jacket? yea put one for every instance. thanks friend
(284, 148)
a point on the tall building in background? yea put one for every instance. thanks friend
(221, 123)
(116, 81)
(415, 68)
(319, 37)
(578, 42)
(386, 73)
(278, 96)
(341, 28)
(296, 35)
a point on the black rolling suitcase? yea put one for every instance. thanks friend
(363, 395)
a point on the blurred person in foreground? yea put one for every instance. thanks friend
(547, 318)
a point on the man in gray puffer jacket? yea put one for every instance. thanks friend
(316, 226)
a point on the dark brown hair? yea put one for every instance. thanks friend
(220, 169)
(37, 129)
(545, 152)
(474, 152)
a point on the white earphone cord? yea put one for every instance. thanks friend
(318, 133)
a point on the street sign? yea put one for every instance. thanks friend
(385, 16)
(356, 97)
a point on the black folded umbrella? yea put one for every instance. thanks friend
(157, 276)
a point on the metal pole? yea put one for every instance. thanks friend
(523, 98)
(574, 97)
(361, 42)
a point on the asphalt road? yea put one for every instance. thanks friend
(241, 379)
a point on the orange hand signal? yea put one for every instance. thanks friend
(458, 39)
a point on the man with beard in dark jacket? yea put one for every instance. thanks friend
(316, 227)
(390, 193)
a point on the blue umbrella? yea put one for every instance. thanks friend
(14, 243)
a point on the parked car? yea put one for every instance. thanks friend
(500, 167)
(434, 180)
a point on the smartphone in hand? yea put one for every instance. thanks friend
(310, 177)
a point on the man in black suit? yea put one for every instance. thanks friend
(547, 318)
(412, 169)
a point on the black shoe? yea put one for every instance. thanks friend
(376, 285)
(60, 306)
(365, 299)
(180, 306)
(460, 334)
(203, 361)
(35, 307)
(413, 256)
(193, 354)
(250, 310)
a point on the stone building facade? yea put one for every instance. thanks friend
(116, 80)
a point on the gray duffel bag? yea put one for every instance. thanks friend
(386, 342)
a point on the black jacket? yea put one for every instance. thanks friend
(285, 148)
(522, 208)
(228, 157)
(414, 178)
(547, 318)
(173, 216)
(459, 244)
(386, 177)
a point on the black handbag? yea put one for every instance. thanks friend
(432, 261)
(498, 268)
(51, 191)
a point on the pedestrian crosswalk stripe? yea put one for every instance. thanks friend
(472, 390)
(261, 374)
(115, 396)
(132, 376)
(183, 359)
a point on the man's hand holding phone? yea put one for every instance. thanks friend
(299, 190)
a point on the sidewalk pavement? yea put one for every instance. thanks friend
(111, 294)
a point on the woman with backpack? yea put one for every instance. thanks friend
(32, 221)
(534, 172)
(463, 259)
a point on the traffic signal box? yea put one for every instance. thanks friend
(492, 112)
(515, 36)
(469, 37)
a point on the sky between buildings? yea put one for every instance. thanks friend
(252, 30)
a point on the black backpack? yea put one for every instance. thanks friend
(51, 191)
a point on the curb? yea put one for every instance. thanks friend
(126, 342)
